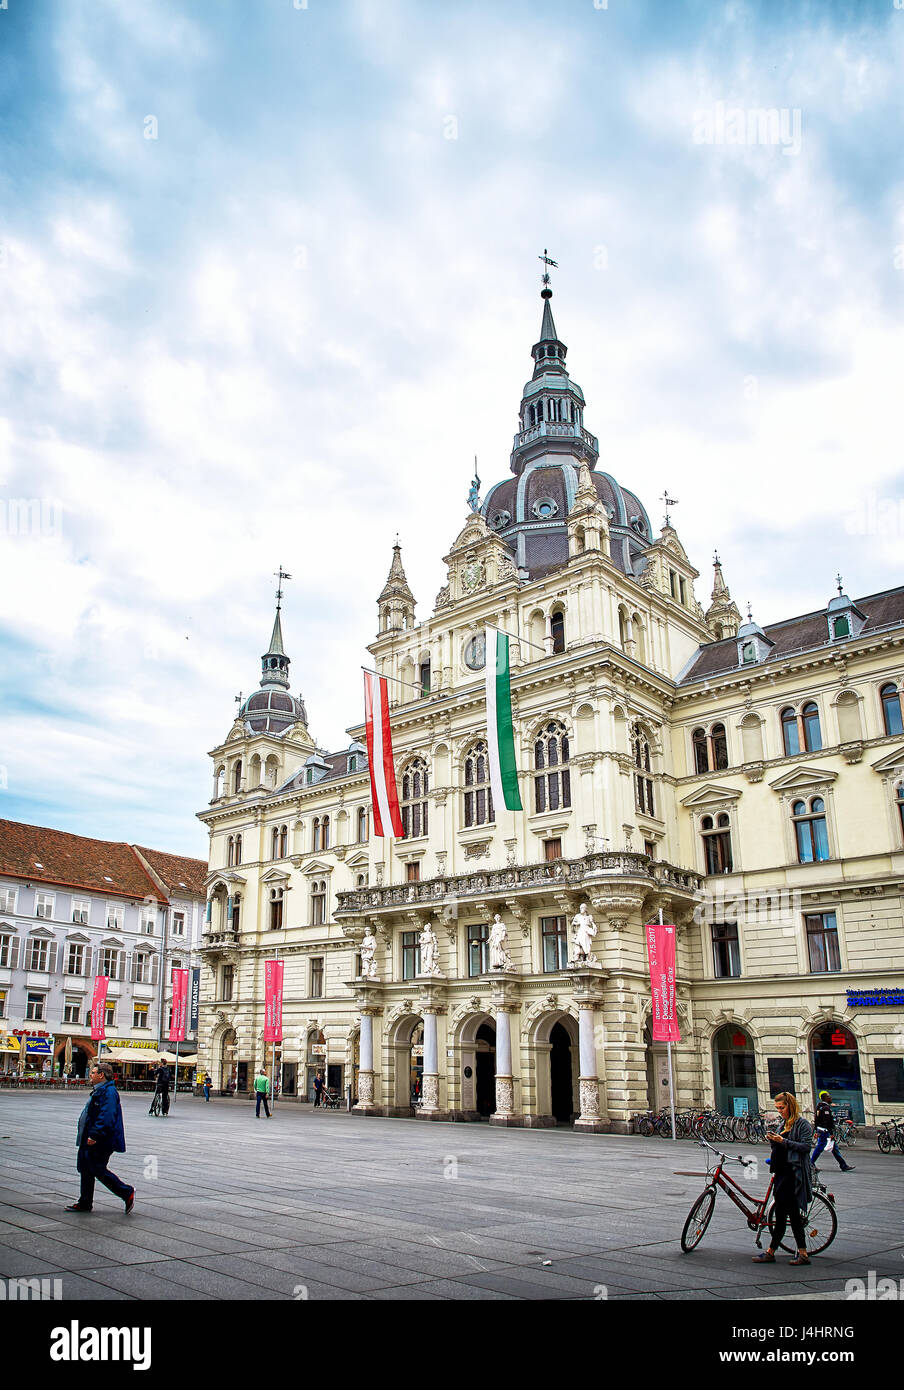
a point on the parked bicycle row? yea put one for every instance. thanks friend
(715, 1127)
(891, 1135)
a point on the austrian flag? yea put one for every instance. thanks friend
(383, 793)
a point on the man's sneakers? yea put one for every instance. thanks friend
(850, 1168)
(77, 1206)
(130, 1201)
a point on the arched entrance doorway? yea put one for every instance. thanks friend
(485, 1070)
(836, 1067)
(416, 1064)
(560, 1075)
(734, 1071)
(227, 1063)
(407, 1065)
(81, 1055)
(315, 1061)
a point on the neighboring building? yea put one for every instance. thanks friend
(72, 908)
(747, 782)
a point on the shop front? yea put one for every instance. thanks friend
(734, 1071)
(76, 1063)
(836, 1068)
(131, 1062)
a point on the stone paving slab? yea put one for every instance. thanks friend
(356, 1209)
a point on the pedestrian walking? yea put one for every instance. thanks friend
(318, 1089)
(100, 1134)
(162, 1079)
(206, 1086)
(791, 1168)
(825, 1132)
(261, 1092)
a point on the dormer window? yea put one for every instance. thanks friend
(841, 627)
(748, 652)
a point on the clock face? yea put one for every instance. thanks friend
(476, 653)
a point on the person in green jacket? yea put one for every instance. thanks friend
(261, 1092)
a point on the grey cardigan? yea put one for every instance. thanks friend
(799, 1142)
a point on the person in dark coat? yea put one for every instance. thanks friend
(162, 1079)
(793, 1190)
(825, 1130)
(100, 1135)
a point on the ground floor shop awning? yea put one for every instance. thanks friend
(130, 1054)
(186, 1057)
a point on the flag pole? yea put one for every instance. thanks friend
(515, 638)
(671, 1078)
(412, 685)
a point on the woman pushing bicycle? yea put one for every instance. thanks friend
(790, 1163)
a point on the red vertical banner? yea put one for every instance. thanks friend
(180, 1006)
(99, 1008)
(661, 951)
(273, 989)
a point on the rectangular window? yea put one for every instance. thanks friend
(555, 943)
(2, 1003)
(425, 678)
(142, 969)
(318, 907)
(673, 583)
(682, 589)
(178, 924)
(148, 921)
(139, 1015)
(34, 1008)
(6, 950)
(317, 977)
(81, 911)
(726, 950)
(37, 954)
(822, 942)
(110, 1016)
(413, 871)
(109, 963)
(411, 954)
(781, 1075)
(553, 849)
(228, 977)
(75, 959)
(478, 949)
(889, 1080)
(44, 905)
(71, 1010)
(8, 899)
(115, 916)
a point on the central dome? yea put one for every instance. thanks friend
(272, 711)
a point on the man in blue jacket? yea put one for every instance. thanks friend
(100, 1134)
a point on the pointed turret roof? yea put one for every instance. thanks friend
(396, 585)
(548, 332)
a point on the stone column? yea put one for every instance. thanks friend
(503, 1008)
(431, 1007)
(588, 997)
(367, 997)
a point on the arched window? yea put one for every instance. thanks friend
(238, 849)
(701, 751)
(643, 783)
(318, 902)
(276, 909)
(283, 841)
(812, 732)
(720, 747)
(552, 789)
(274, 842)
(899, 802)
(717, 843)
(236, 911)
(790, 733)
(891, 710)
(237, 777)
(316, 835)
(415, 785)
(637, 629)
(557, 629)
(220, 782)
(478, 797)
(810, 829)
(230, 852)
(363, 833)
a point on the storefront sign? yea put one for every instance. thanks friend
(875, 998)
(131, 1042)
(839, 1039)
(39, 1047)
(661, 953)
(273, 992)
(180, 1006)
(740, 1105)
(738, 1040)
(318, 1049)
(99, 1007)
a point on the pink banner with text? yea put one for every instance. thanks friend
(99, 1008)
(273, 989)
(180, 1006)
(661, 951)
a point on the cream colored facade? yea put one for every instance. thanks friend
(611, 643)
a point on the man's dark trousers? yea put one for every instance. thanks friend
(261, 1096)
(164, 1100)
(92, 1164)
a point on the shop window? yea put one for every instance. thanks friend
(822, 942)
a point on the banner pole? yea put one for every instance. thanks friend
(671, 1077)
(176, 1082)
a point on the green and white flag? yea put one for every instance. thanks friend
(500, 731)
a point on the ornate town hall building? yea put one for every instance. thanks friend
(747, 782)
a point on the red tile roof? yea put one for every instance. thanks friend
(180, 875)
(73, 861)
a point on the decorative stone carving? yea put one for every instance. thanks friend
(430, 1091)
(368, 955)
(365, 1087)
(505, 1095)
(499, 956)
(480, 850)
(443, 598)
(590, 1099)
(379, 874)
(429, 952)
(441, 863)
(583, 930)
(618, 924)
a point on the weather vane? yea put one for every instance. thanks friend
(281, 575)
(749, 611)
(669, 502)
(474, 491)
(547, 261)
(838, 582)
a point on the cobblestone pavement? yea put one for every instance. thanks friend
(324, 1205)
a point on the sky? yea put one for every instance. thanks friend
(269, 282)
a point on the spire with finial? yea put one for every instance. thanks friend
(722, 617)
(274, 662)
(396, 601)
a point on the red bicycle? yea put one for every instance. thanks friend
(820, 1223)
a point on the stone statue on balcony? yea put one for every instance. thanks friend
(583, 929)
(499, 956)
(368, 956)
(429, 951)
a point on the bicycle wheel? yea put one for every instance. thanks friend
(883, 1139)
(698, 1218)
(850, 1135)
(820, 1227)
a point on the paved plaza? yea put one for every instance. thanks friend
(327, 1205)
